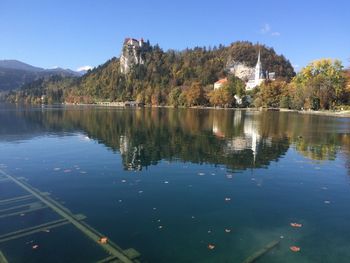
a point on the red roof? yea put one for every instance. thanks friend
(221, 81)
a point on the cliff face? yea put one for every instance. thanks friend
(132, 54)
(241, 70)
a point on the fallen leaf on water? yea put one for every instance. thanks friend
(211, 246)
(295, 248)
(35, 246)
(296, 225)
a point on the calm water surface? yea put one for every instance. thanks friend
(169, 182)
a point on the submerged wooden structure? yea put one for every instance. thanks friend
(39, 200)
(261, 252)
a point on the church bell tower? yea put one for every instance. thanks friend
(258, 69)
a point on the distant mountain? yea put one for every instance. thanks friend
(14, 74)
(62, 71)
(15, 64)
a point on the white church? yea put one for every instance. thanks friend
(253, 76)
(258, 76)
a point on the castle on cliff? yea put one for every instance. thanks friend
(131, 54)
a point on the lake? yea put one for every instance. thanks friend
(176, 185)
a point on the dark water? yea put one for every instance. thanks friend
(157, 179)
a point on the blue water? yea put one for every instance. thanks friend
(169, 182)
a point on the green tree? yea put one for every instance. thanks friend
(174, 97)
(236, 86)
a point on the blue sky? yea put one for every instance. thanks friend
(75, 33)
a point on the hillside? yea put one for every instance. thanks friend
(14, 74)
(161, 72)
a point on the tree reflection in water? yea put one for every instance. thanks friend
(238, 139)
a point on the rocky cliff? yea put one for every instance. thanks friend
(240, 70)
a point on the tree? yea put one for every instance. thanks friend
(174, 97)
(272, 92)
(195, 95)
(221, 97)
(346, 97)
(236, 86)
(321, 84)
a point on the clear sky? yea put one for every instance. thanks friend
(75, 33)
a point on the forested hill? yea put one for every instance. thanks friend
(163, 71)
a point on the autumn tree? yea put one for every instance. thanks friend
(273, 93)
(321, 84)
(347, 88)
(195, 95)
(221, 97)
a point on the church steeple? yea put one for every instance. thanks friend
(258, 69)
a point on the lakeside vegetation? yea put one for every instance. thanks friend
(186, 79)
(321, 85)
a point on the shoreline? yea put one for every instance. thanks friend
(329, 113)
